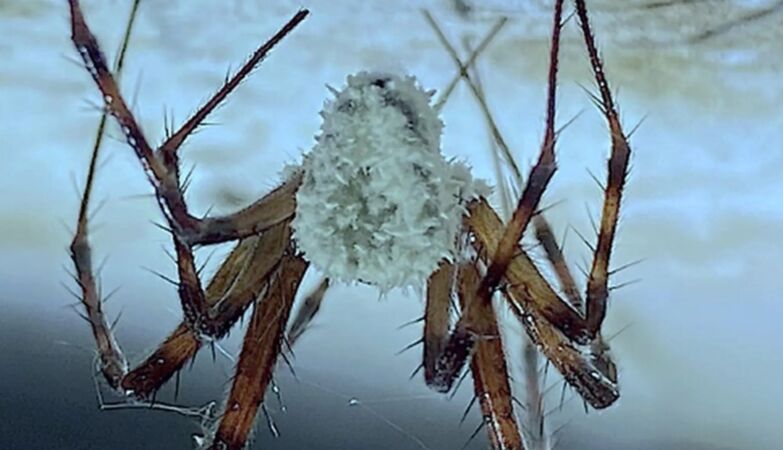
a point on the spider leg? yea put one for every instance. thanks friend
(475, 337)
(161, 165)
(271, 209)
(563, 334)
(597, 289)
(554, 255)
(168, 150)
(261, 347)
(436, 323)
(266, 254)
(588, 367)
(549, 321)
(522, 276)
(163, 173)
(237, 283)
(540, 175)
(543, 229)
(488, 366)
(113, 364)
(178, 348)
(165, 184)
(307, 311)
(508, 260)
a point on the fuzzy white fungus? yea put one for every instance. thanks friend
(379, 203)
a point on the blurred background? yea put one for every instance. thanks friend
(697, 338)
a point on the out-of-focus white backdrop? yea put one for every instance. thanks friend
(701, 357)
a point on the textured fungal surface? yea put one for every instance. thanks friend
(379, 203)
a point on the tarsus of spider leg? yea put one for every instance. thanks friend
(113, 364)
(200, 412)
(307, 311)
(261, 347)
(597, 289)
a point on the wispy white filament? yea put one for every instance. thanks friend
(379, 203)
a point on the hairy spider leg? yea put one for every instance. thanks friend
(617, 172)
(569, 338)
(459, 344)
(491, 380)
(260, 350)
(238, 282)
(161, 167)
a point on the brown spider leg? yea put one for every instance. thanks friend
(113, 364)
(162, 170)
(522, 275)
(549, 321)
(437, 316)
(554, 255)
(165, 183)
(275, 207)
(237, 283)
(539, 220)
(182, 344)
(162, 175)
(266, 255)
(170, 356)
(461, 341)
(261, 347)
(539, 178)
(597, 289)
(488, 366)
(307, 311)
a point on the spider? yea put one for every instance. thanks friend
(377, 241)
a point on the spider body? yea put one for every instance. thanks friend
(374, 201)
(378, 202)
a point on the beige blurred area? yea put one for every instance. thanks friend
(700, 351)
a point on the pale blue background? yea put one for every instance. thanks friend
(700, 363)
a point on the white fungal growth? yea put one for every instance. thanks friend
(379, 203)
